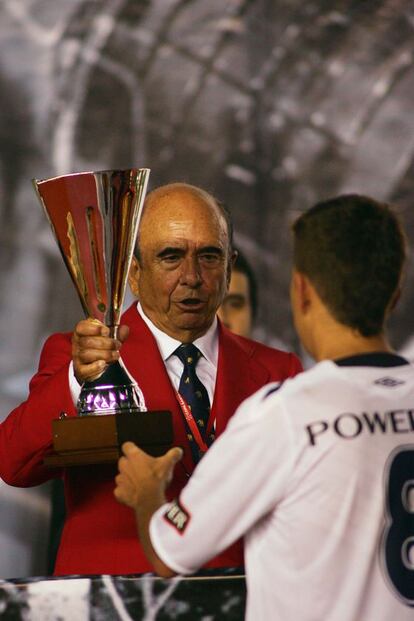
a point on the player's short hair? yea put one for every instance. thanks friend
(352, 248)
(223, 209)
(242, 265)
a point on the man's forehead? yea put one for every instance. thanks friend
(178, 200)
(184, 238)
(239, 281)
(178, 211)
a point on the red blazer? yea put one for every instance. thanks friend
(99, 536)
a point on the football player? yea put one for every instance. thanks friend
(316, 473)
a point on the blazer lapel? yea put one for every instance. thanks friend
(238, 376)
(142, 358)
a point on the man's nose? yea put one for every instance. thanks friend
(190, 272)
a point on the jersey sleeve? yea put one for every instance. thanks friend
(238, 482)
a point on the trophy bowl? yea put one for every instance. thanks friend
(94, 217)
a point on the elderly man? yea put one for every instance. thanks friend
(180, 277)
(318, 473)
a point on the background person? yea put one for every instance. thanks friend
(180, 277)
(238, 310)
(317, 474)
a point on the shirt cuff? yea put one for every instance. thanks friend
(74, 385)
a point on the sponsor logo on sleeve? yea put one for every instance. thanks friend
(177, 516)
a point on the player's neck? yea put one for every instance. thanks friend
(338, 342)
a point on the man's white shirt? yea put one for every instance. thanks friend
(303, 472)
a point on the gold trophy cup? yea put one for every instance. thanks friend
(95, 217)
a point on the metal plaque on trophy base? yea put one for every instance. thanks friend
(95, 217)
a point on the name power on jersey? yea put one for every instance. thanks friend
(350, 425)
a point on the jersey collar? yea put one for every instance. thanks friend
(374, 359)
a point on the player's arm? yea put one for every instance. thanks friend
(238, 481)
(141, 485)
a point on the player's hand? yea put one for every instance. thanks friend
(93, 349)
(141, 475)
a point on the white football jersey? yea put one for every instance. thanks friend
(318, 476)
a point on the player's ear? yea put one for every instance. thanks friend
(302, 289)
(394, 300)
(133, 277)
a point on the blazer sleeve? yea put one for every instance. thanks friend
(26, 433)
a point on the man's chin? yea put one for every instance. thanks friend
(191, 319)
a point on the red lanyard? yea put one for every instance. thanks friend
(185, 408)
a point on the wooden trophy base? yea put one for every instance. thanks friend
(85, 440)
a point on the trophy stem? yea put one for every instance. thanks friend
(113, 392)
(113, 332)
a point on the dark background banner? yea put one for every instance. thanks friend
(269, 104)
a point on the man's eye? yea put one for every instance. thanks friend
(171, 258)
(210, 258)
(234, 302)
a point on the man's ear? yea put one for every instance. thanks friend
(133, 277)
(230, 265)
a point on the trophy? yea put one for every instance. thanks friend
(94, 217)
